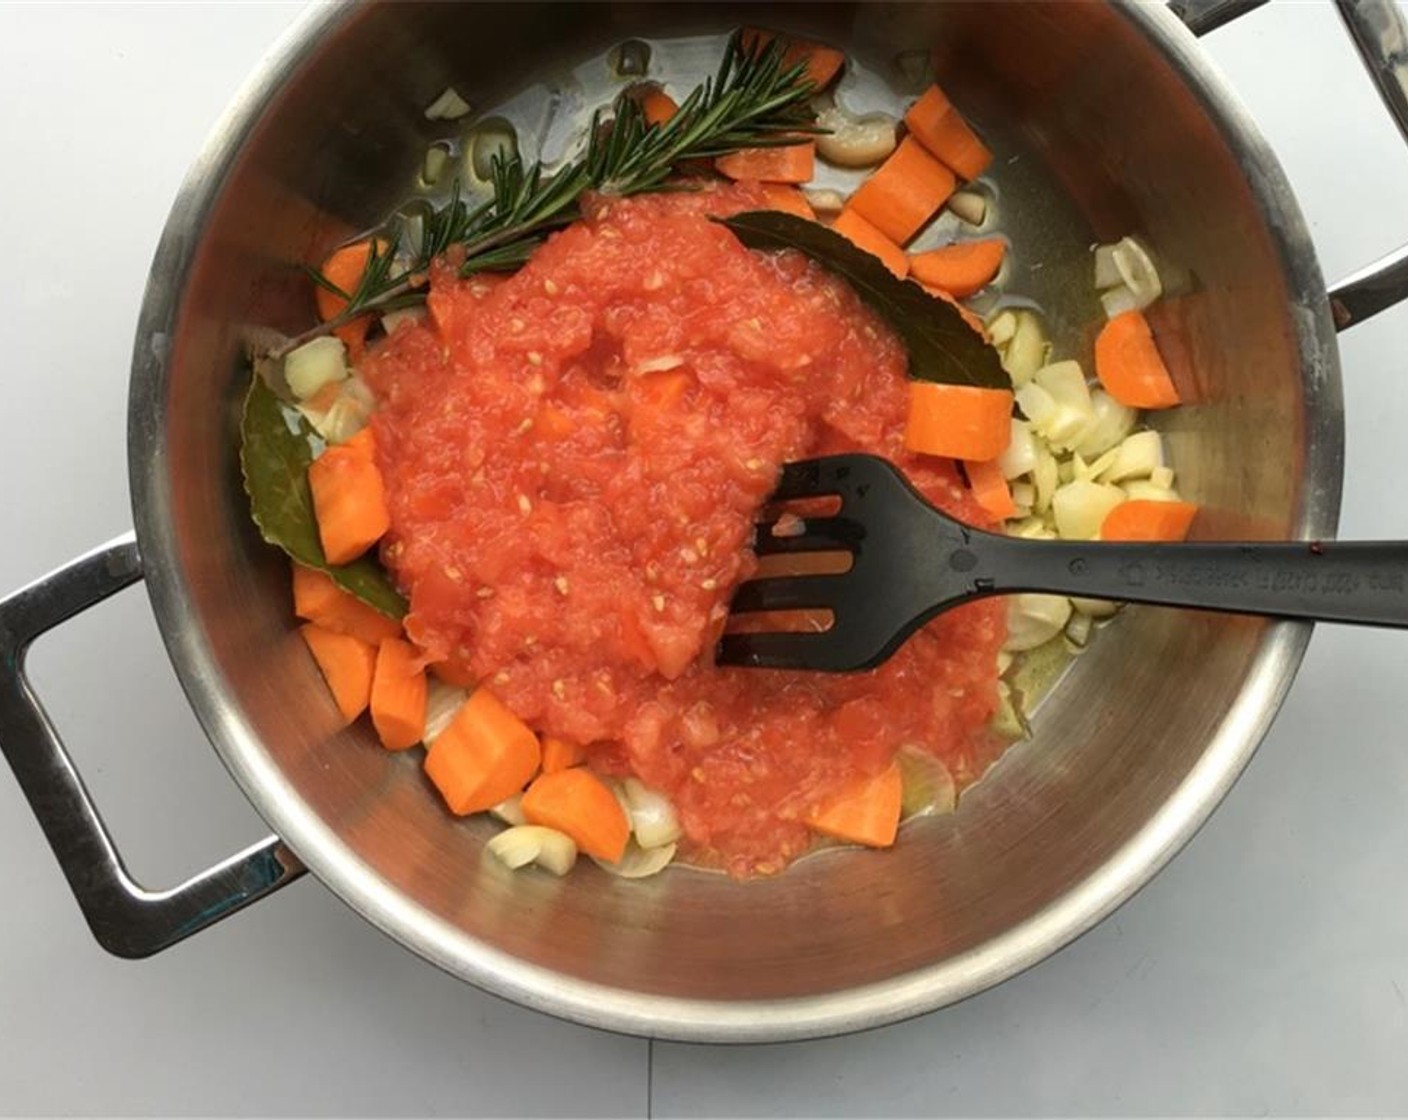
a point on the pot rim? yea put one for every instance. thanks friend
(697, 1020)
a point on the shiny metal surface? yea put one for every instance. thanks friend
(126, 918)
(1380, 33)
(1071, 823)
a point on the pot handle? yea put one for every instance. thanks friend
(1380, 33)
(127, 919)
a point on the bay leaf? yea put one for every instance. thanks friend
(941, 346)
(276, 446)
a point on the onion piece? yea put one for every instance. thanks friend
(449, 106)
(1023, 496)
(1162, 476)
(433, 165)
(1065, 382)
(442, 702)
(1109, 423)
(531, 843)
(928, 786)
(510, 810)
(315, 364)
(1081, 508)
(825, 202)
(652, 816)
(855, 141)
(1004, 661)
(1095, 608)
(1137, 456)
(971, 206)
(639, 863)
(1138, 490)
(1033, 620)
(1107, 275)
(1037, 405)
(1020, 455)
(390, 320)
(1078, 629)
(1137, 272)
(1001, 327)
(1092, 471)
(1026, 352)
(1046, 477)
(1117, 300)
(494, 137)
(1032, 529)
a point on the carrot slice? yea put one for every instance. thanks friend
(398, 695)
(344, 268)
(867, 811)
(346, 663)
(990, 489)
(1129, 365)
(823, 63)
(936, 124)
(863, 235)
(789, 200)
(349, 500)
(485, 756)
(580, 804)
(318, 600)
(958, 421)
(1141, 520)
(904, 191)
(657, 106)
(785, 163)
(559, 754)
(961, 269)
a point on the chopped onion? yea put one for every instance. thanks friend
(826, 202)
(1065, 382)
(1001, 327)
(970, 206)
(1008, 720)
(630, 59)
(1137, 272)
(638, 862)
(1162, 476)
(1046, 476)
(1107, 275)
(1118, 300)
(928, 786)
(442, 702)
(1078, 629)
(315, 364)
(1004, 661)
(1137, 456)
(1093, 470)
(1095, 608)
(346, 416)
(1026, 352)
(1032, 529)
(1033, 620)
(653, 818)
(449, 106)
(531, 843)
(1037, 405)
(390, 320)
(495, 137)
(1109, 423)
(1020, 456)
(855, 141)
(510, 810)
(1081, 508)
(431, 168)
(1023, 495)
(1138, 490)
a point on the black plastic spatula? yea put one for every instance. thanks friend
(909, 562)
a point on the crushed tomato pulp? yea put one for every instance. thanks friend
(575, 457)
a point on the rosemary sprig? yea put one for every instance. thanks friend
(752, 101)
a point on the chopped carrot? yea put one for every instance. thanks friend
(349, 501)
(485, 756)
(823, 63)
(1129, 365)
(867, 811)
(559, 754)
(1141, 520)
(580, 804)
(961, 269)
(935, 123)
(958, 421)
(346, 663)
(784, 163)
(972, 318)
(364, 443)
(990, 489)
(317, 599)
(657, 106)
(344, 269)
(863, 235)
(398, 695)
(789, 200)
(904, 192)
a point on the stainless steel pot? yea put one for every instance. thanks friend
(1108, 121)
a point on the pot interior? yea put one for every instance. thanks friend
(1099, 132)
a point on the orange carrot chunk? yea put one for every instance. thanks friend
(559, 754)
(344, 269)
(863, 235)
(823, 63)
(867, 811)
(485, 756)
(961, 269)
(346, 663)
(935, 123)
(789, 200)
(657, 106)
(990, 489)
(1140, 520)
(958, 421)
(1129, 365)
(398, 695)
(785, 163)
(318, 600)
(349, 501)
(580, 804)
(904, 192)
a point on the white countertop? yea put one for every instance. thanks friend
(1266, 971)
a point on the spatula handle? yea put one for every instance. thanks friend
(1358, 582)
